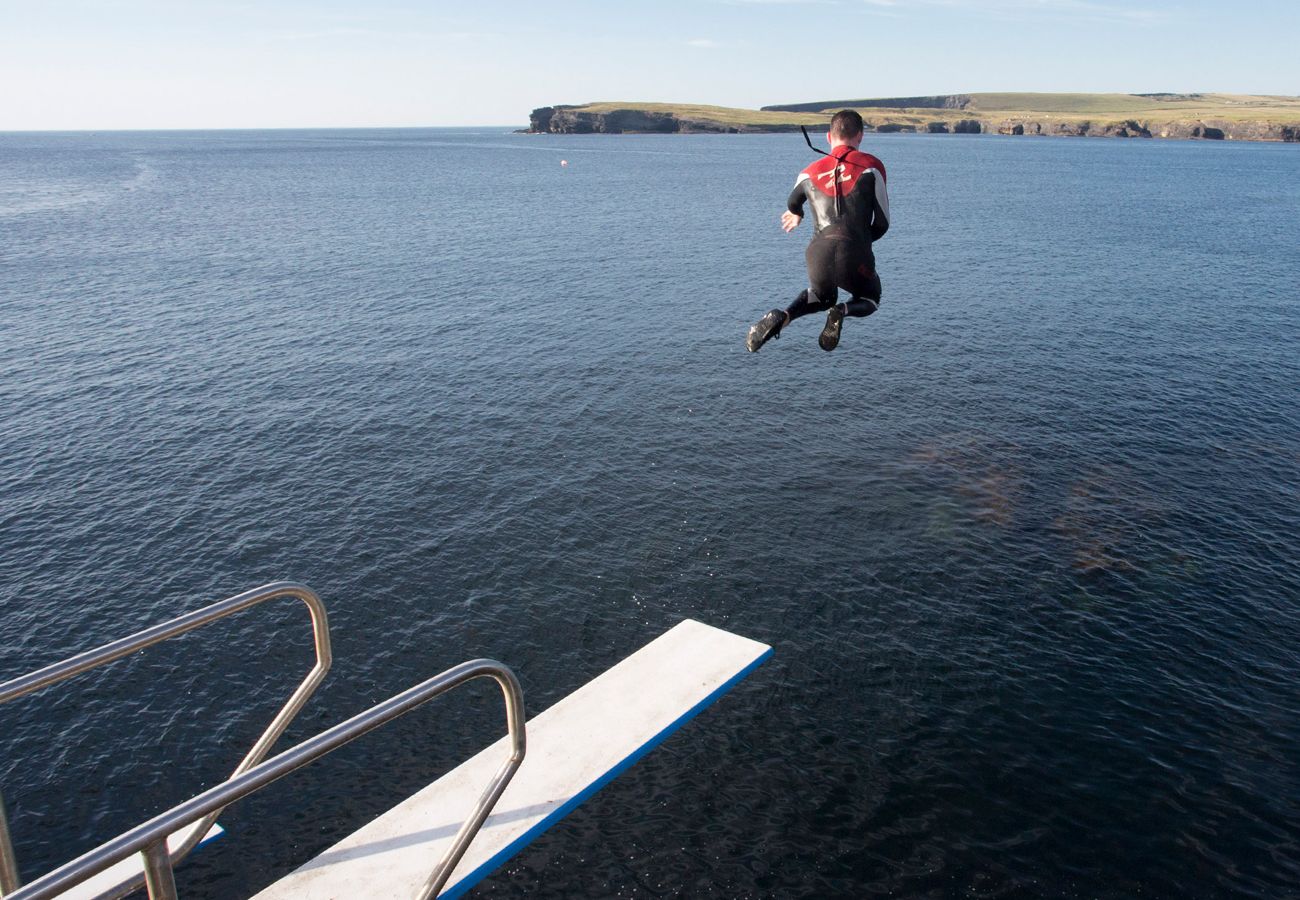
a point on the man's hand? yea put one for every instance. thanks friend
(789, 221)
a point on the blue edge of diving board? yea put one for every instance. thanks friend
(461, 887)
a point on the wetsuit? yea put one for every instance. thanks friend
(850, 210)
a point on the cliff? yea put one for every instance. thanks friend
(1165, 115)
(638, 120)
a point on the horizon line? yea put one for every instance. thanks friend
(136, 130)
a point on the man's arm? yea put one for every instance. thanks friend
(793, 214)
(880, 207)
(879, 225)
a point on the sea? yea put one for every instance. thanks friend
(1025, 545)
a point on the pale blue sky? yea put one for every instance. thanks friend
(101, 64)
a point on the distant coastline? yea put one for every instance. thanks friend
(1233, 117)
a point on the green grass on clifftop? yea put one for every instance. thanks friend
(1181, 106)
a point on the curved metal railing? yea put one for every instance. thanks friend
(91, 659)
(149, 839)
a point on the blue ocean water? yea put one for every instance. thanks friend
(1025, 545)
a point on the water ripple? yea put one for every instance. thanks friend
(1025, 544)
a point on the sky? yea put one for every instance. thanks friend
(127, 64)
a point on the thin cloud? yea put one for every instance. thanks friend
(325, 34)
(887, 8)
(781, 2)
(1027, 10)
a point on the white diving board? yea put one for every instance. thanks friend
(107, 881)
(574, 748)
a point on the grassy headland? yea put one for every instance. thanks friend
(1211, 116)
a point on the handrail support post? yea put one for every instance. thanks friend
(158, 875)
(9, 880)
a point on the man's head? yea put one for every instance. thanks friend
(846, 128)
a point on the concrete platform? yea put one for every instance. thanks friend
(574, 748)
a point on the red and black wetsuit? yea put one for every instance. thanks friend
(850, 210)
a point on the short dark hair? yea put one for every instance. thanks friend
(846, 124)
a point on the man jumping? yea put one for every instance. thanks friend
(850, 210)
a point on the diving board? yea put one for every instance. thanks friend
(108, 882)
(574, 748)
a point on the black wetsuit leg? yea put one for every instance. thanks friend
(866, 294)
(835, 262)
(807, 302)
(822, 291)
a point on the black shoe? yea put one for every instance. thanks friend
(829, 339)
(765, 329)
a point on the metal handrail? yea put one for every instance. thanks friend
(84, 662)
(149, 839)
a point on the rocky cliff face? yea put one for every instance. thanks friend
(962, 126)
(575, 120)
(1209, 129)
(571, 120)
